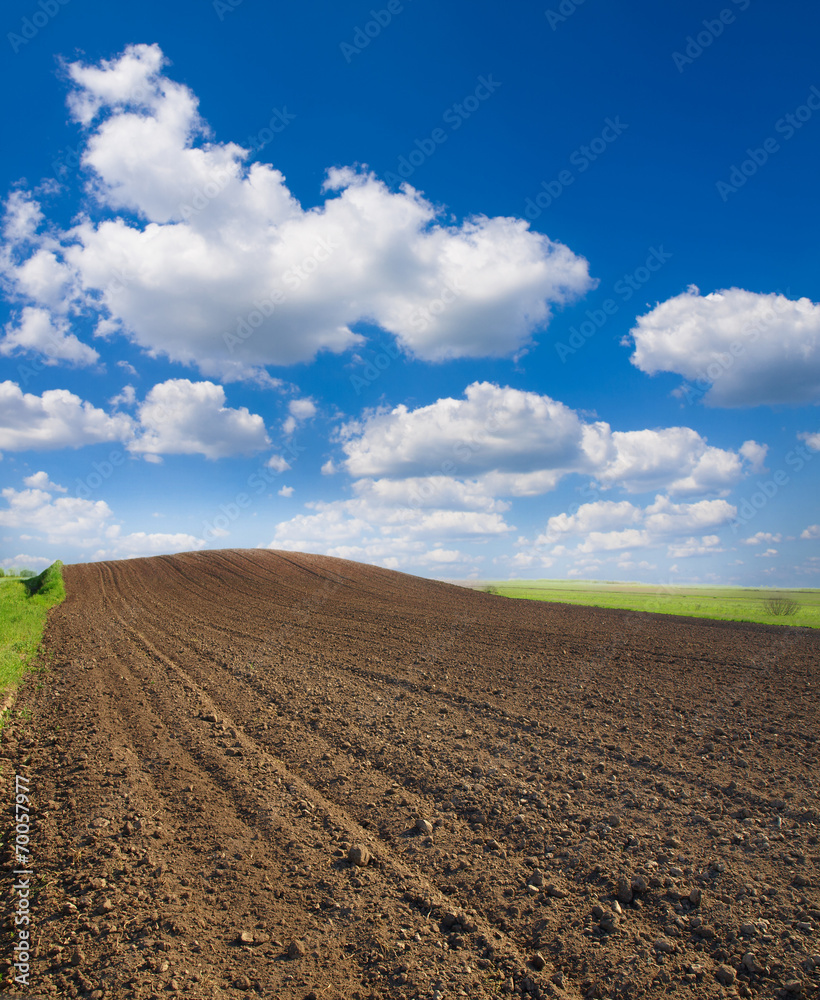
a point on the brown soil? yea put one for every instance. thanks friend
(622, 804)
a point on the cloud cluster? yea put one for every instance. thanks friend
(761, 537)
(516, 443)
(59, 522)
(364, 529)
(609, 526)
(213, 262)
(443, 472)
(140, 543)
(177, 417)
(23, 561)
(706, 545)
(736, 348)
(57, 419)
(86, 524)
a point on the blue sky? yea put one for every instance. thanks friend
(473, 291)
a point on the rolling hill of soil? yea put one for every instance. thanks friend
(261, 773)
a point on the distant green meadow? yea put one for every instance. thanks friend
(740, 604)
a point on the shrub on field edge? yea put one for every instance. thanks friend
(780, 606)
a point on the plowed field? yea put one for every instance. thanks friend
(283, 775)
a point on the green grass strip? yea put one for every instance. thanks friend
(742, 604)
(24, 605)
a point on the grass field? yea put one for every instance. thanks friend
(24, 605)
(744, 604)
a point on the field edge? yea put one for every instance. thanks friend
(25, 604)
(605, 594)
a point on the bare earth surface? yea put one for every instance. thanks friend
(284, 775)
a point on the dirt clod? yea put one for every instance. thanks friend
(296, 949)
(359, 855)
(725, 975)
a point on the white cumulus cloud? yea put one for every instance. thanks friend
(675, 458)
(65, 521)
(21, 218)
(37, 332)
(177, 417)
(599, 515)
(606, 526)
(492, 429)
(735, 347)
(299, 410)
(373, 528)
(141, 543)
(703, 546)
(761, 537)
(608, 541)
(755, 455)
(219, 265)
(443, 472)
(23, 561)
(180, 417)
(127, 397)
(278, 463)
(441, 556)
(663, 517)
(41, 481)
(428, 492)
(84, 524)
(516, 443)
(57, 419)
